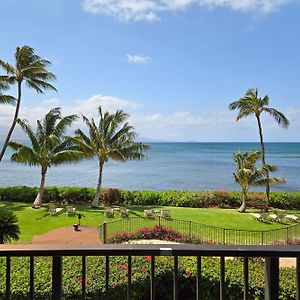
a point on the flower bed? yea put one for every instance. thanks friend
(157, 232)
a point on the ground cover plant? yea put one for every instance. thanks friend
(95, 284)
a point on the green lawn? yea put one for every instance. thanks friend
(37, 221)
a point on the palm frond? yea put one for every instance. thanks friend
(279, 117)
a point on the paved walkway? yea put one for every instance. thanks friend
(68, 236)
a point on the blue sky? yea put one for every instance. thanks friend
(174, 65)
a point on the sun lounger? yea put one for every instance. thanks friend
(123, 212)
(292, 218)
(166, 213)
(108, 212)
(274, 217)
(70, 211)
(259, 217)
(148, 213)
(53, 210)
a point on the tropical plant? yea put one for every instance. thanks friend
(247, 174)
(251, 104)
(9, 229)
(112, 138)
(31, 69)
(49, 147)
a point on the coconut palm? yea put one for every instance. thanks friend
(247, 174)
(49, 147)
(111, 138)
(9, 229)
(31, 69)
(251, 104)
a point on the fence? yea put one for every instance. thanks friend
(207, 233)
(271, 255)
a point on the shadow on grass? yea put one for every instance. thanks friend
(14, 206)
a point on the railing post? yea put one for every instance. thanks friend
(222, 278)
(298, 278)
(152, 286)
(190, 229)
(7, 278)
(271, 278)
(262, 237)
(224, 232)
(104, 233)
(287, 236)
(159, 221)
(129, 278)
(56, 277)
(246, 278)
(106, 273)
(198, 283)
(175, 279)
(31, 284)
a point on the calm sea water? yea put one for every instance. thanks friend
(184, 166)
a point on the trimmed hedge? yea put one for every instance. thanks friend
(95, 285)
(226, 199)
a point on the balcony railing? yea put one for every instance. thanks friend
(270, 253)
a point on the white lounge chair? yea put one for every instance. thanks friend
(274, 217)
(53, 210)
(166, 213)
(292, 218)
(148, 213)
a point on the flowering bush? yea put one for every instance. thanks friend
(157, 232)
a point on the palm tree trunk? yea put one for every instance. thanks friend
(12, 127)
(1, 240)
(244, 196)
(95, 202)
(39, 198)
(263, 159)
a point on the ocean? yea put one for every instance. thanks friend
(169, 166)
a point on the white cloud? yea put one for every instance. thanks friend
(51, 102)
(87, 107)
(149, 10)
(138, 59)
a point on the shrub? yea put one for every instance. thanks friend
(9, 229)
(141, 266)
(282, 200)
(112, 197)
(157, 232)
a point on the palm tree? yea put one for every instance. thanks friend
(49, 147)
(248, 175)
(9, 229)
(111, 139)
(251, 104)
(31, 69)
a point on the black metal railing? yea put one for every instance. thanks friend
(207, 233)
(271, 254)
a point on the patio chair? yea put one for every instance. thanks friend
(148, 213)
(292, 218)
(166, 213)
(274, 217)
(123, 212)
(53, 210)
(108, 212)
(260, 218)
(70, 211)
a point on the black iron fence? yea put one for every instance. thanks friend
(207, 233)
(270, 253)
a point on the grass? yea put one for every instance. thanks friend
(38, 221)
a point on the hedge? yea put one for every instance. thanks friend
(95, 285)
(226, 199)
